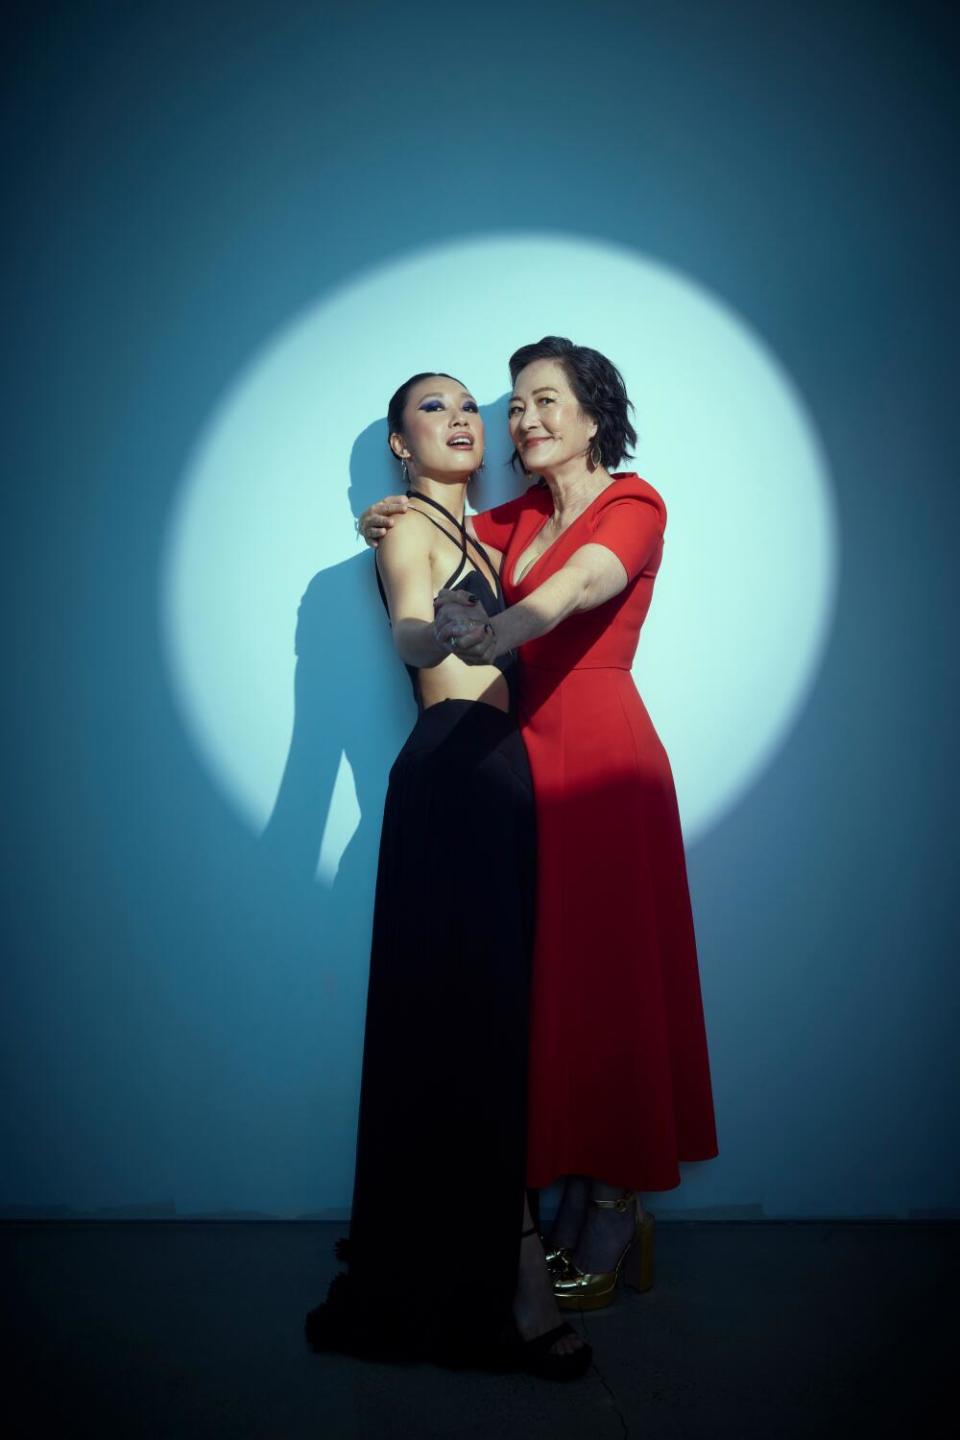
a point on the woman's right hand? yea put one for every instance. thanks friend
(375, 520)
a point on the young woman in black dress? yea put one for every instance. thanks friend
(443, 1261)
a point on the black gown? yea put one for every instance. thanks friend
(433, 1248)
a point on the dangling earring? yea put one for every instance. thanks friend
(596, 454)
(405, 473)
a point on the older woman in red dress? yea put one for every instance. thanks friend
(619, 1081)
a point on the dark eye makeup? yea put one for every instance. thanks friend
(433, 404)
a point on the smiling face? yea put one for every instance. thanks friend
(547, 424)
(442, 434)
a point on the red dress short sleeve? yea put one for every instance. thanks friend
(631, 524)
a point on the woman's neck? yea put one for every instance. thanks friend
(573, 490)
(451, 494)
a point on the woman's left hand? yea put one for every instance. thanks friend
(477, 646)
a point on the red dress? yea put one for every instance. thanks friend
(619, 1083)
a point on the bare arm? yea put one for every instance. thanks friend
(404, 561)
(592, 576)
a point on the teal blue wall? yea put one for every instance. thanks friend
(182, 1009)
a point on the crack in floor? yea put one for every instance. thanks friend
(604, 1382)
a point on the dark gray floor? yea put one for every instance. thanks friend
(767, 1330)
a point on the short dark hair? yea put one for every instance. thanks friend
(598, 386)
(398, 400)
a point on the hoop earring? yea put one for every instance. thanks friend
(596, 454)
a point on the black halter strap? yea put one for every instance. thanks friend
(465, 539)
(506, 663)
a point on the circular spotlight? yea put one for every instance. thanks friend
(744, 597)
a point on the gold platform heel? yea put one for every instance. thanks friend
(576, 1290)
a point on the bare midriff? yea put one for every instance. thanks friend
(452, 680)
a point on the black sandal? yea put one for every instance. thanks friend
(535, 1356)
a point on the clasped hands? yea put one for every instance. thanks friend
(462, 626)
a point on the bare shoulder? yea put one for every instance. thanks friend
(408, 538)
